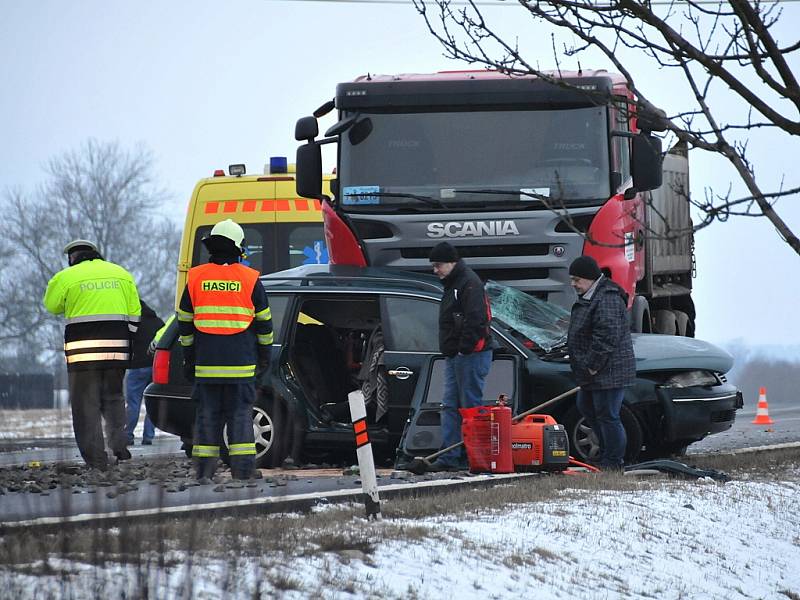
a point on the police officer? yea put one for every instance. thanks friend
(101, 305)
(225, 329)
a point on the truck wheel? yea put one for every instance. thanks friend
(685, 304)
(665, 322)
(583, 443)
(640, 315)
(681, 321)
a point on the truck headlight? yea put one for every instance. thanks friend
(691, 379)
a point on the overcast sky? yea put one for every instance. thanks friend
(207, 84)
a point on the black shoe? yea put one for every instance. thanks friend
(146, 443)
(254, 474)
(123, 455)
(440, 466)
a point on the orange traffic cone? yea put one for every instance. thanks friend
(762, 411)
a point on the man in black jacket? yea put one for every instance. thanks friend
(465, 339)
(140, 373)
(601, 356)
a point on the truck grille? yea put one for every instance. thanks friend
(484, 251)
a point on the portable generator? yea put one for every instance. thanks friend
(538, 443)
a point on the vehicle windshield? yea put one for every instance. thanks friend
(518, 159)
(534, 322)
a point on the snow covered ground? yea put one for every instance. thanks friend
(46, 423)
(665, 539)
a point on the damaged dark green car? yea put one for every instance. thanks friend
(340, 329)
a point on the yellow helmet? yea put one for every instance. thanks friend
(229, 229)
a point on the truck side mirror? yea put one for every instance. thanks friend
(306, 129)
(646, 164)
(308, 176)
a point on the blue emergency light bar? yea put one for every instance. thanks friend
(278, 164)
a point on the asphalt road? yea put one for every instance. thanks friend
(33, 483)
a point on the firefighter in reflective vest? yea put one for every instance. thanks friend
(101, 305)
(225, 329)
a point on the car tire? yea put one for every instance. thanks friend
(583, 443)
(272, 431)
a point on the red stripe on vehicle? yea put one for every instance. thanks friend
(249, 205)
(212, 208)
(230, 206)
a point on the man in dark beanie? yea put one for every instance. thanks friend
(465, 339)
(601, 356)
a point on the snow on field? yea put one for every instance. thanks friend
(46, 423)
(35, 423)
(668, 540)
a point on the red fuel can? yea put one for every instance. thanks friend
(539, 443)
(487, 438)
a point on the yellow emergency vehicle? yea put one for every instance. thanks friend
(281, 230)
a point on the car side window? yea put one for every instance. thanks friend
(278, 303)
(411, 324)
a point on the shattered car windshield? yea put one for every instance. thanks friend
(536, 323)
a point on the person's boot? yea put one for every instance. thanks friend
(122, 455)
(204, 469)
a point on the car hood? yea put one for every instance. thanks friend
(670, 352)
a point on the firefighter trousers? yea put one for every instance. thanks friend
(220, 405)
(96, 395)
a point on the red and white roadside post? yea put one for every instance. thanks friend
(366, 462)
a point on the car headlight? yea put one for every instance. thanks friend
(691, 379)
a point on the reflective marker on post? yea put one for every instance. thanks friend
(366, 462)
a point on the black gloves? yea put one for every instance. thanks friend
(264, 354)
(188, 364)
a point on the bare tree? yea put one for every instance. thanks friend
(728, 55)
(99, 192)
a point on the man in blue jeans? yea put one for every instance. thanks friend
(601, 356)
(465, 339)
(140, 373)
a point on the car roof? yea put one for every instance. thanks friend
(337, 277)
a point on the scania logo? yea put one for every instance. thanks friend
(454, 229)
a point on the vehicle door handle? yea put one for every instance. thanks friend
(401, 372)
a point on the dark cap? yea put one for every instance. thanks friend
(585, 267)
(443, 252)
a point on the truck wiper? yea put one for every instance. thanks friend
(426, 199)
(531, 195)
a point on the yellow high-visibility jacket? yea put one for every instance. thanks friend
(101, 305)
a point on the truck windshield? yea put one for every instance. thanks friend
(514, 158)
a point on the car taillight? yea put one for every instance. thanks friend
(161, 366)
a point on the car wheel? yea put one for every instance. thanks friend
(272, 431)
(583, 442)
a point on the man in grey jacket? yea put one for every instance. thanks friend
(601, 356)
